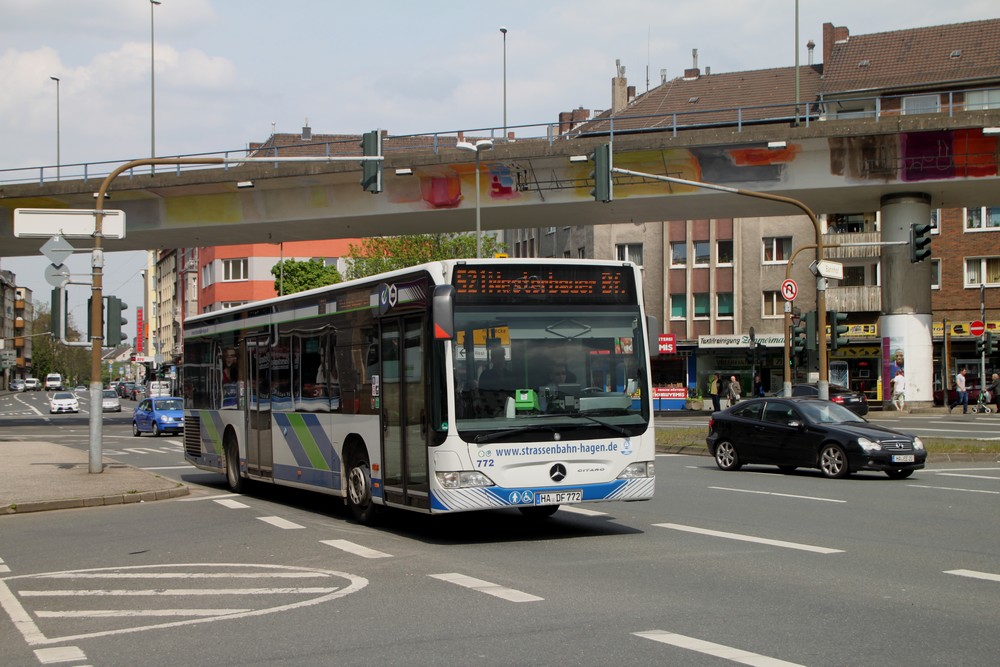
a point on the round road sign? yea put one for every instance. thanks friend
(789, 289)
(977, 328)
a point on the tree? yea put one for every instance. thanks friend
(388, 253)
(291, 276)
(49, 355)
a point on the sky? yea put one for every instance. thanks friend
(231, 72)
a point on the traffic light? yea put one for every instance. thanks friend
(981, 345)
(371, 170)
(751, 355)
(836, 329)
(811, 337)
(920, 238)
(58, 311)
(603, 190)
(992, 343)
(799, 337)
(116, 323)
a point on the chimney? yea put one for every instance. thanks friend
(708, 71)
(619, 89)
(307, 133)
(831, 35)
(630, 92)
(693, 72)
(663, 76)
(811, 45)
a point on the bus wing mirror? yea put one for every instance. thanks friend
(652, 330)
(443, 312)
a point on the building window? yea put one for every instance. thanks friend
(550, 230)
(854, 276)
(208, 274)
(774, 304)
(678, 306)
(581, 253)
(914, 104)
(226, 305)
(565, 254)
(234, 269)
(978, 100)
(724, 252)
(777, 250)
(982, 271)
(981, 219)
(935, 221)
(702, 253)
(935, 274)
(679, 254)
(702, 306)
(724, 305)
(630, 252)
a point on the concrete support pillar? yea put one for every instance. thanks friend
(906, 320)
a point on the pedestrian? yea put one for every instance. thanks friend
(758, 386)
(899, 390)
(994, 391)
(713, 391)
(961, 393)
(734, 390)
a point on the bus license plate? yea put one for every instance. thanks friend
(559, 497)
(902, 458)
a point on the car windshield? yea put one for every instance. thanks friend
(172, 404)
(824, 412)
(63, 396)
(110, 393)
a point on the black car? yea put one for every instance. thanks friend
(809, 433)
(855, 401)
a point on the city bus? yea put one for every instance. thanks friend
(429, 389)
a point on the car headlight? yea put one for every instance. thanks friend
(461, 479)
(638, 470)
(918, 444)
(869, 445)
(165, 419)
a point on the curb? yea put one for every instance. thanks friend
(95, 501)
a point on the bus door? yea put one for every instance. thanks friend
(259, 455)
(403, 346)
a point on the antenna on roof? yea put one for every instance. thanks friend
(648, 30)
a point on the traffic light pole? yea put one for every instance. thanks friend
(824, 379)
(96, 454)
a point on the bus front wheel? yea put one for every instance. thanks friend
(359, 490)
(232, 452)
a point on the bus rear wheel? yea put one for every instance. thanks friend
(359, 490)
(539, 511)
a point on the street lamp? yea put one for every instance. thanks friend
(503, 31)
(477, 148)
(58, 141)
(152, 87)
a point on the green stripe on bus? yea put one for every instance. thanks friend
(308, 443)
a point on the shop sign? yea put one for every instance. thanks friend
(669, 392)
(740, 341)
(668, 343)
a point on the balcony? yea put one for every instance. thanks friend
(864, 298)
(847, 249)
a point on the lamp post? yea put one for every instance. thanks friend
(58, 139)
(152, 87)
(477, 148)
(503, 31)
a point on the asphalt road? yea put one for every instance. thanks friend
(753, 567)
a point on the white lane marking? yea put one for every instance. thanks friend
(782, 495)
(951, 488)
(188, 499)
(960, 470)
(278, 522)
(183, 467)
(959, 474)
(180, 575)
(3, 567)
(128, 613)
(975, 575)
(486, 587)
(580, 510)
(356, 549)
(141, 450)
(231, 504)
(711, 648)
(122, 592)
(750, 538)
(49, 656)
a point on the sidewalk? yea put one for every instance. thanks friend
(38, 476)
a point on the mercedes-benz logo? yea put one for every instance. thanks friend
(557, 472)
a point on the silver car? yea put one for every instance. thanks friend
(110, 402)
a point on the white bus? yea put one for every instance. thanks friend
(429, 389)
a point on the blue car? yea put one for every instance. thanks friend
(160, 414)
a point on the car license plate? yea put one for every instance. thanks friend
(559, 497)
(903, 458)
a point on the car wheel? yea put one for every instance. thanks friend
(726, 457)
(233, 479)
(787, 469)
(135, 430)
(898, 474)
(359, 490)
(833, 462)
(156, 430)
(539, 511)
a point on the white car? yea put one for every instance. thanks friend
(63, 401)
(110, 402)
(32, 384)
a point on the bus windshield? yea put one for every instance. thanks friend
(554, 366)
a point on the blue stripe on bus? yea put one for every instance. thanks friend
(492, 497)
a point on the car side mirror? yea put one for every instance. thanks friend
(795, 423)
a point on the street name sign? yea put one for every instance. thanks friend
(69, 222)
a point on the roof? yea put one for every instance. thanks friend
(713, 99)
(943, 54)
